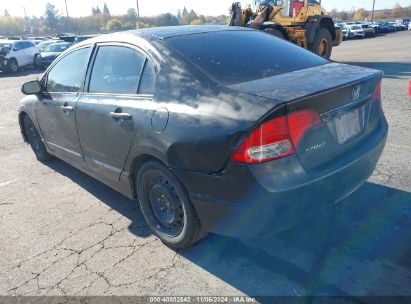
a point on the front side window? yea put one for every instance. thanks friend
(116, 70)
(28, 44)
(68, 74)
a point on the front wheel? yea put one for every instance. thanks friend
(322, 44)
(13, 66)
(166, 206)
(34, 139)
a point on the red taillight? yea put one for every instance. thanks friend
(377, 92)
(409, 87)
(275, 138)
(299, 122)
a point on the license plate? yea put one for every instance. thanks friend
(347, 126)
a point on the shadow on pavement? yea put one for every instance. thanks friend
(126, 207)
(393, 70)
(23, 72)
(362, 248)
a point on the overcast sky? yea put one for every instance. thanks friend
(154, 7)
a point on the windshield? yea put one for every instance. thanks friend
(355, 28)
(5, 45)
(258, 3)
(57, 47)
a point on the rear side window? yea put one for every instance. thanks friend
(116, 70)
(28, 44)
(147, 79)
(231, 57)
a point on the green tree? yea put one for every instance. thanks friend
(166, 20)
(131, 15)
(397, 11)
(106, 11)
(51, 17)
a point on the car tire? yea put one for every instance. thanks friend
(36, 64)
(166, 206)
(275, 32)
(322, 44)
(13, 66)
(34, 139)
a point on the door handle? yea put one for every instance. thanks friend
(123, 116)
(67, 108)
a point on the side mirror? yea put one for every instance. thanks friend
(15, 49)
(31, 88)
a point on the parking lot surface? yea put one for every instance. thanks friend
(64, 233)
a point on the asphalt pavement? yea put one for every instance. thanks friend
(64, 233)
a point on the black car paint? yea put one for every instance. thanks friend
(205, 121)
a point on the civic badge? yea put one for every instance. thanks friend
(356, 92)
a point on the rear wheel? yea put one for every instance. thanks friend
(323, 43)
(275, 32)
(13, 66)
(34, 139)
(166, 206)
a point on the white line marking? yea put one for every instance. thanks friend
(7, 183)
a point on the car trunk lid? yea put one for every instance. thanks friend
(343, 97)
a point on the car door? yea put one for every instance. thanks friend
(112, 110)
(56, 111)
(19, 53)
(26, 53)
(31, 51)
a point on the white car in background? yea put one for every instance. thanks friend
(15, 54)
(355, 31)
(409, 26)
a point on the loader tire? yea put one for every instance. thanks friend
(322, 44)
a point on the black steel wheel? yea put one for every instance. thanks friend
(34, 139)
(166, 207)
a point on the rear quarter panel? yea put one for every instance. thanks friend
(204, 121)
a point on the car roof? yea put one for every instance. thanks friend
(161, 33)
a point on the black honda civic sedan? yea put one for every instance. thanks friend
(212, 128)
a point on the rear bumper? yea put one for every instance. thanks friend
(249, 200)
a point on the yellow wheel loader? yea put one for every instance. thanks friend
(303, 22)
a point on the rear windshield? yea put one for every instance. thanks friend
(231, 57)
(57, 47)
